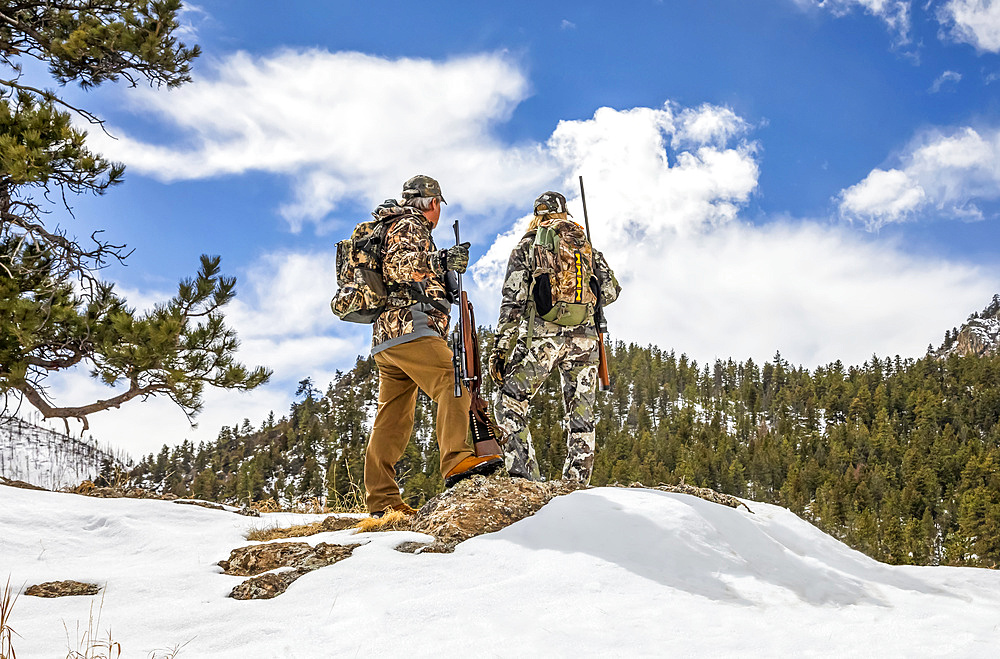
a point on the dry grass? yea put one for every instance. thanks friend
(393, 520)
(274, 531)
(89, 645)
(353, 501)
(7, 600)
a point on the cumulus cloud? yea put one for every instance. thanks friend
(342, 126)
(895, 13)
(975, 22)
(946, 173)
(664, 190)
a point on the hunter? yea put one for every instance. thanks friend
(554, 283)
(410, 350)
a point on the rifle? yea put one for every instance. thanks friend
(602, 323)
(468, 372)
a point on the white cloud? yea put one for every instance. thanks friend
(883, 196)
(698, 280)
(343, 126)
(567, 25)
(975, 22)
(944, 81)
(944, 173)
(895, 13)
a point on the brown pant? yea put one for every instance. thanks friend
(424, 363)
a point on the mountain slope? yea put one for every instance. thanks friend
(43, 457)
(601, 572)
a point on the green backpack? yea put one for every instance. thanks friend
(362, 294)
(562, 274)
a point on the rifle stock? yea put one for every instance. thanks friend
(602, 325)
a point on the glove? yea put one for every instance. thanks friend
(498, 366)
(454, 258)
(506, 336)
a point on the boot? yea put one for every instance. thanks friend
(473, 465)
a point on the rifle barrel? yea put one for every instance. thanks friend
(602, 368)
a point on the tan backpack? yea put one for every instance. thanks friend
(562, 268)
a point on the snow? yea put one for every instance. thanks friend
(605, 572)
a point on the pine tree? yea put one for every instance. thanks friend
(55, 312)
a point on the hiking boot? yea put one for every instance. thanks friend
(471, 466)
(401, 507)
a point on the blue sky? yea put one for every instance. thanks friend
(815, 178)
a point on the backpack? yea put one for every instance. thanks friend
(362, 294)
(562, 274)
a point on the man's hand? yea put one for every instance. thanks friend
(454, 258)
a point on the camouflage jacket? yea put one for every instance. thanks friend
(411, 279)
(515, 307)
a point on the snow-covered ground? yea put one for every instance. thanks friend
(604, 573)
(46, 458)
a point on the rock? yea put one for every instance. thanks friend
(267, 585)
(979, 336)
(248, 561)
(253, 560)
(706, 493)
(334, 523)
(62, 589)
(203, 504)
(480, 505)
(20, 484)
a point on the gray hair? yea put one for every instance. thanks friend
(420, 203)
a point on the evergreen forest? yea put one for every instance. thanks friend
(899, 458)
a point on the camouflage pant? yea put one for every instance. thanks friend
(577, 360)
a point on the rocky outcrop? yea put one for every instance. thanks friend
(706, 493)
(979, 336)
(481, 505)
(301, 557)
(62, 589)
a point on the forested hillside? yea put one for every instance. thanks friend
(898, 458)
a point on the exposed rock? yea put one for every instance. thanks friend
(62, 589)
(979, 336)
(253, 560)
(412, 547)
(267, 585)
(203, 504)
(335, 523)
(705, 493)
(248, 561)
(480, 505)
(20, 484)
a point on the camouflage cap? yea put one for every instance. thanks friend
(422, 186)
(551, 202)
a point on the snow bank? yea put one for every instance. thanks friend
(602, 572)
